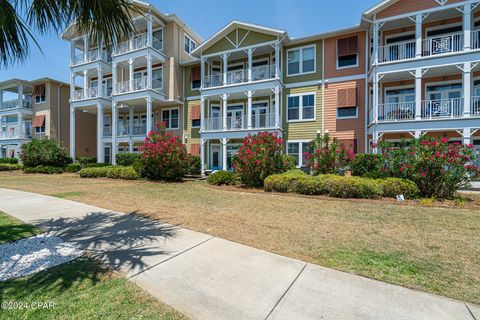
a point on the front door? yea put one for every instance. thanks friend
(234, 117)
(444, 101)
(259, 115)
(108, 155)
(232, 150)
(215, 157)
(216, 118)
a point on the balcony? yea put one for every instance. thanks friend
(239, 123)
(137, 43)
(259, 73)
(137, 130)
(91, 93)
(475, 107)
(396, 111)
(137, 85)
(91, 56)
(13, 104)
(438, 109)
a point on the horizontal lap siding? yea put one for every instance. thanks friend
(192, 134)
(331, 70)
(303, 130)
(346, 129)
(407, 6)
(316, 76)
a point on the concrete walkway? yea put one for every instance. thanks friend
(210, 278)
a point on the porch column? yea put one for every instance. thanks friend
(130, 42)
(130, 120)
(130, 74)
(224, 115)
(375, 98)
(376, 30)
(149, 115)
(72, 132)
(418, 35)
(72, 86)
(249, 109)
(277, 107)
(149, 30)
(85, 83)
(100, 82)
(149, 71)
(114, 76)
(100, 148)
(20, 95)
(202, 72)
(130, 146)
(277, 60)
(114, 132)
(20, 133)
(202, 113)
(224, 153)
(202, 154)
(467, 27)
(418, 134)
(467, 88)
(467, 136)
(225, 68)
(72, 52)
(418, 94)
(250, 63)
(85, 48)
(375, 142)
(1, 99)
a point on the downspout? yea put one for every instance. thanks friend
(58, 114)
(367, 91)
(323, 86)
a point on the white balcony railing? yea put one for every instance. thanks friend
(475, 107)
(136, 130)
(240, 76)
(92, 92)
(443, 44)
(107, 131)
(397, 51)
(92, 55)
(13, 104)
(138, 85)
(138, 42)
(447, 108)
(236, 123)
(476, 39)
(396, 111)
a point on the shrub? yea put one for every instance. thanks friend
(95, 165)
(43, 169)
(219, 178)
(9, 167)
(126, 159)
(86, 160)
(43, 153)
(282, 182)
(290, 162)
(258, 157)
(73, 167)
(368, 165)
(111, 172)
(195, 165)
(9, 160)
(352, 187)
(163, 156)
(392, 187)
(311, 185)
(328, 156)
(438, 168)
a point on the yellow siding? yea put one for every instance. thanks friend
(191, 133)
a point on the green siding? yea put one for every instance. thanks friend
(308, 77)
(188, 84)
(252, 38)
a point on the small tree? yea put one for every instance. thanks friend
(328, 156)
(44, 153)
(163, 156)
(259, 157)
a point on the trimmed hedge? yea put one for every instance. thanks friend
(86, 160)
(111, 172)
(10, 166)
(95, 165)
(284, 182)
(393, 187)
(352, 187)
(126, 159)
(73, 167)
(219, 178)
(43, 169)
(9, 160)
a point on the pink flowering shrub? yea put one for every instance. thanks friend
(163, 156)
(259, 157)
(438, 168)
(328, 156)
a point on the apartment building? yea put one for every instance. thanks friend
(36, 109)
(409, 68)
(130, 85)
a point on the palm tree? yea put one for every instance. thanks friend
(108, 19)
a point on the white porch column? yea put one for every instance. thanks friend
(72, 132)
(418, 134)
(1, 99)
(418, 93)
(149, 115)
(114, 76)
(467, 27)
(149, 71)
(149, 30)
(224, 113)
(130, 74)
(202, 113)
(249, 109)
(20, 95)
(376, 30)
(375, 142)
(72, 52)
(130, 42)
(20, 133)
(85, 83)
(277, 107)
(130, 120)
(100, 92)
(85, 48)
(225, 68)
(376, 104)
(467, 136)
(202, 154)
(250, 63)
(467, 88)
(202, 72)
(418, 35)
(277, 60)
(224, 153)
(114, 132)
(100, 147)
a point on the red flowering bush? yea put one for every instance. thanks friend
(328, 156)
(438, 168)
(259, 157)
(163, 156)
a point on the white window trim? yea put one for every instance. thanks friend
(347, 67)
(385, 89)
(300, 150)
(41, 101)
(396, 35)
(300, 49)
(440, 83)
(163, 36)
(170, 110)
(189, 44)
(445, 26)
(347, 118)
(300, 112)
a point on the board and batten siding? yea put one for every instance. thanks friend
(244, 39)
(304, 130)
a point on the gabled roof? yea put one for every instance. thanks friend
(379, 7)
(234, 25)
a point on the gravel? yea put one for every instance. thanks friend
(34, 254)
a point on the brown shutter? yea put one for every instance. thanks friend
(195, 149)
(352, 97)
(38, 90)
(342, 98)
(38, 121)
(195, 113)
(195, 74)
(347, 46)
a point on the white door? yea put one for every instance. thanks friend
(234, 117)
(215, 118)
(215, 157)
(108, 155)
(259, 115)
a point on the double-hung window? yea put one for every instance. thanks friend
(347, 52)
(301, 107)
(297, 150)
(190, 45)
(301, 60)
(170, 117)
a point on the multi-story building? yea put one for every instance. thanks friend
(132, 84)
(34, 109)
(409, 68)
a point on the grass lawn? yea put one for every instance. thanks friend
(81, 289)
(433, 249)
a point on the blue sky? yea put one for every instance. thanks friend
(298, 17)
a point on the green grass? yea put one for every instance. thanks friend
(63, 195)
(12, 229)
(82, 290)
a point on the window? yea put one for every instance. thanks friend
(170, 117)
(348, 112)
(189, 44)
(301, 61)
(195, 78)
(297, 150)
(40, 99)
(40, 130)
(157, 78)
(196, 123)
(301, 107)
(158, 39)
(347, 52)
(39, 94)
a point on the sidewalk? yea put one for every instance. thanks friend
(210, 278)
